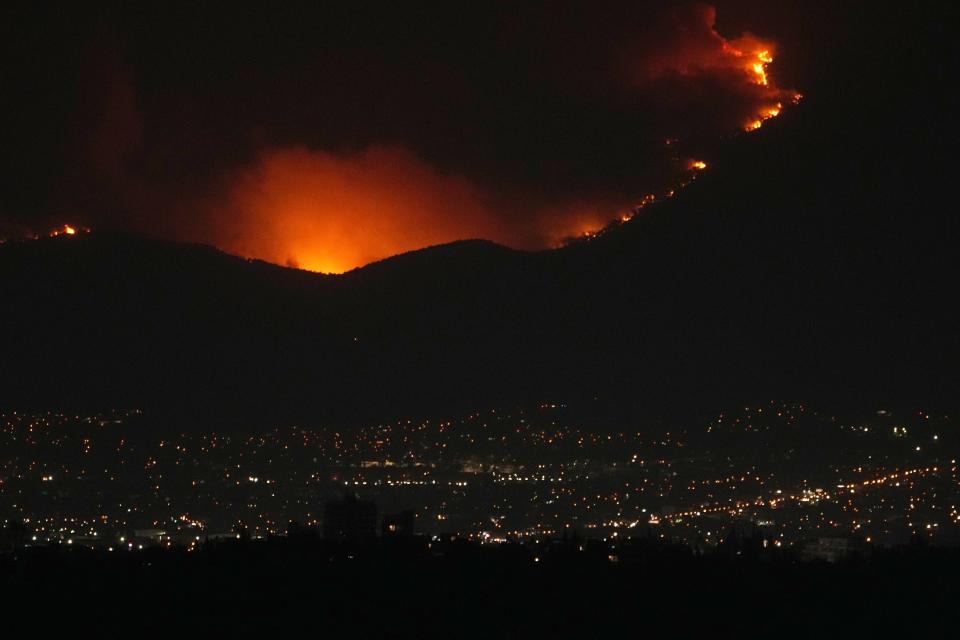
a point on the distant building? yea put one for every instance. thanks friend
(152, 535)
(828, 549)
(399, 524)
(350, 519)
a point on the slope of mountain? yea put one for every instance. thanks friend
(815, 260)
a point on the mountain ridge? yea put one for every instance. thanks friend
(785, 270)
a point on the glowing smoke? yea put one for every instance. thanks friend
(330, 213)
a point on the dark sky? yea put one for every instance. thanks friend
(338, 133)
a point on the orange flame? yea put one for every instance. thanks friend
(757, 56)
(743, 61)
(65, 230)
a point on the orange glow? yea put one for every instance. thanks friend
(558, 226)
(65, 230)
(331, 213)
(758, 59)
(753, 62)
(760, 70)
(769, 112)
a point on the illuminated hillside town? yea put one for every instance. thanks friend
(530, 477)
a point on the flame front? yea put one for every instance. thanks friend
(65, 230)
(756, 56)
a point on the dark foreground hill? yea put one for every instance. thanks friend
(464, 590)
(815, 260)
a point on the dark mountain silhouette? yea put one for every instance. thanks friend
(814, 260)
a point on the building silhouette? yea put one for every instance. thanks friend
(350, 519)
